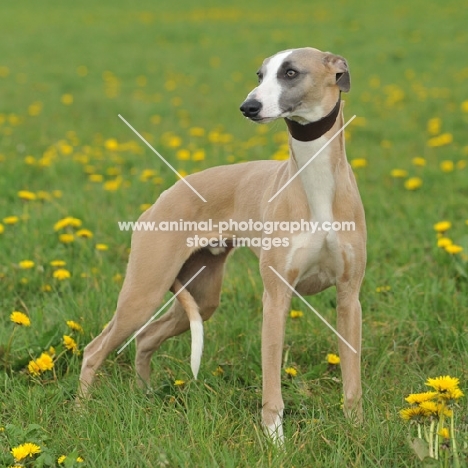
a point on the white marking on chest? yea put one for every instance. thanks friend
(319, 186)
(268, 92)
(317, 178)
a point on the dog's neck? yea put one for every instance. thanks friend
(319, 177)
(313, 130)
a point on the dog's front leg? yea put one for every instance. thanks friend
(276, 301)
(349, 326)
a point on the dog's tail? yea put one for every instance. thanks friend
(196, 324)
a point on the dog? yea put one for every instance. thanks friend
(303, 87)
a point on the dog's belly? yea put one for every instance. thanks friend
(314, 283)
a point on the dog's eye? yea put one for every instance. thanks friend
(291, 73)
(259, 76)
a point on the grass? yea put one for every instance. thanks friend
(169, 68)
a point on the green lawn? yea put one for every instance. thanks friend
(178, 73)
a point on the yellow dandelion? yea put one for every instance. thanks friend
(218, 371)
(20, 318)
(113, 171)
(418, 161)
(444, 242)
(415, 413)
(11, 220)
(444, 433)
(34, 368)
(432, 408)
(291, 371)
(58, 263)
(413, 183)
(26, 264)
(381, 289)
(417, 398)
(398, 173)
(434, 126)
(447, 166)
(147, 174)
(112, 185)
(61, 459)
(296, 314)
(43, 195)
(197, 132)
(111, 144)
(333, 359)
(117, 278)
(357, 163)
(443, 383)
(179, 383)
(46, 288)
(198, 155)
(440, 140)
(26, 195)
(453, 249)
(45, 362)
(69, 221)
(145, 206)
(30, 160)
(25, 450)
(183, 155)
(66, 238)
(359, 122)
(67, 99)
(51, 351)
(85, 233)
(95, 178)
(61, 274)
(102, 247)
(75, 326)
(464, 106)
(452, 394)
(442, 226)
(2, 228)
(155, 119)
(70, 344)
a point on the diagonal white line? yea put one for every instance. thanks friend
(313, 310)
(161, 309)
(312, 158)
(162, 159)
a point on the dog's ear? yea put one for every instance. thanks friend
(339, 66)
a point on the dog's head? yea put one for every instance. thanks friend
(302, 84)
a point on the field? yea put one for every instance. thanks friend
(178, 71)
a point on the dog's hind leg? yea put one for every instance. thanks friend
(148, 266)
(205, 290)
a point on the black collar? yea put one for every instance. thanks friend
(314, 130)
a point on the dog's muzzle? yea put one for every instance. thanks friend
(251, 108)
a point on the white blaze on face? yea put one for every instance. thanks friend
(268, 92)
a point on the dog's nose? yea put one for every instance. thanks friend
(251, 108)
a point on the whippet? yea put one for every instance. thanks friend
(303, 86)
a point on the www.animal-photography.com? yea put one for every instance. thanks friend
(286, 183)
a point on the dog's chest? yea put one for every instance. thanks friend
(315, 254)
(317, 178)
